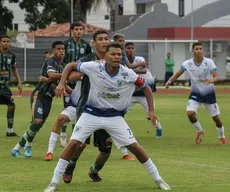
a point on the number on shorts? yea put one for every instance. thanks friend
(130, 132)
(215, 106)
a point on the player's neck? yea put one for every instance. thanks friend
(198, 60)
(112, 71)
(100, 54)
(130, 58)
(3, 51)
(58, 60)
(77, 39)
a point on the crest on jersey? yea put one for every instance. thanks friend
(190, 65)
(82, 50)
(124, 74)
(9, 61)
(119, 82)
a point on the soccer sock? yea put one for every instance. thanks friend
(29, 135)
(63, 130)
(17, 147)
(10, 120)
(52, 142)
(158, 125)
(152, 170)
(95, 168)
(59, 170)
(124, 151)
(220, 130)
(74, 159)
(198, 127)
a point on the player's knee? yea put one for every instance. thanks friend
(62, 119)
(37, 121)
(11, 107)
(75, 144)
(105, 149)
(191, 114)
(217, 120)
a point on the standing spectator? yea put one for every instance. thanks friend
(169, 64)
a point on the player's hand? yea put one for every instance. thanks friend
(20, 87)
(60, 89)
(167, 85)
(152, 117)
(65, 93)
(207, 81)
(143, 63)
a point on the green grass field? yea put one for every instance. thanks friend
(187, 167)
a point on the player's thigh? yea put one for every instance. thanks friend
(66, 100)
(6, 100)
(47, 104)
(70, 112)
(103, 141)
(37, 108)
(213, 109)
(119, 131)
(193, 105)
(85, 125)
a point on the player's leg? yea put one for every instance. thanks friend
(122, 136)
(83, 129)
(214, 112)
(67, 115)
(36, 123)
(192, 108)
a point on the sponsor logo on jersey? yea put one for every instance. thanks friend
(108, 95)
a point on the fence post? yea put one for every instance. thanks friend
(166, 46)
(211, 48)
(25, 61)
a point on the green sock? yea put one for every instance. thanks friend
(63, 128)
(10, 118)
(96, 168)
(74, 159)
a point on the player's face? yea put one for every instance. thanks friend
(101, 42)
(120, 41)
(198, 51)
(5, 43)
(59, 51)
(77, 32)
(130, 50)
(113, 57)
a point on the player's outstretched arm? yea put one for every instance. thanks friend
(74, 75)
(44, 79)
(140, 71)
(174, 78)
(215, 78)
(67, 70)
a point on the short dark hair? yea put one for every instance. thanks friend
(76, 25)
(113, 45)
(55, 43)
(196, 44)
(98, 32)
(4, 36)
(46, 52)
(129, 43)
(117, 36)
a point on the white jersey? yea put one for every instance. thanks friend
(147, 76)
(109, 95)
(200, 91)
(75, 94)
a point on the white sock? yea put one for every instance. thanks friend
(158, 125)
(28, 144)
(124, 151)
(59, 170)
(63, 134)
(10, 130)
(52, 142)
(220, 130)
(17, 147)
(198, 127)
(152, 170)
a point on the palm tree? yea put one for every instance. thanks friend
(81, 7)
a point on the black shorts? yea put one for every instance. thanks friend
(67, 98)
(6, 97)
(40, 105)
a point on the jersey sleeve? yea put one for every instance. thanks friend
(51, 65)
(212, 66)
(184, 66)
(86, 67)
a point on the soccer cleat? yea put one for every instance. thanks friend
(63, 141)
(128, 157)
(158, 133)
(223, 140)
(48, 157)
(13, 134)
(16, 153)
(51, 187)
(28, 151)
(163, 185)
(199, 137)
(68, 175)
(95, 177)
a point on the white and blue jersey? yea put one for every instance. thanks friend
(147, 76)
(200, 91)
(109, 95)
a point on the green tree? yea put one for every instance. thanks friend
(6, 18)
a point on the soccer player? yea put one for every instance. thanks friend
(75, 48)
(114, 91)
(8, 64)
(41, 98)
(202, 72)
(119, 39)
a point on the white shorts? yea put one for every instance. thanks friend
(116, 127)
(213, 109)
(70, 112)
(139, 100)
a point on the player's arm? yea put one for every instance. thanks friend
(133, 66)
(51, 71)
(215, 77)
(44, 79)
(68, 90)
(16, 75)
(140, 71)
(174, 77)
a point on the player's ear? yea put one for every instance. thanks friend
(93, 43)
